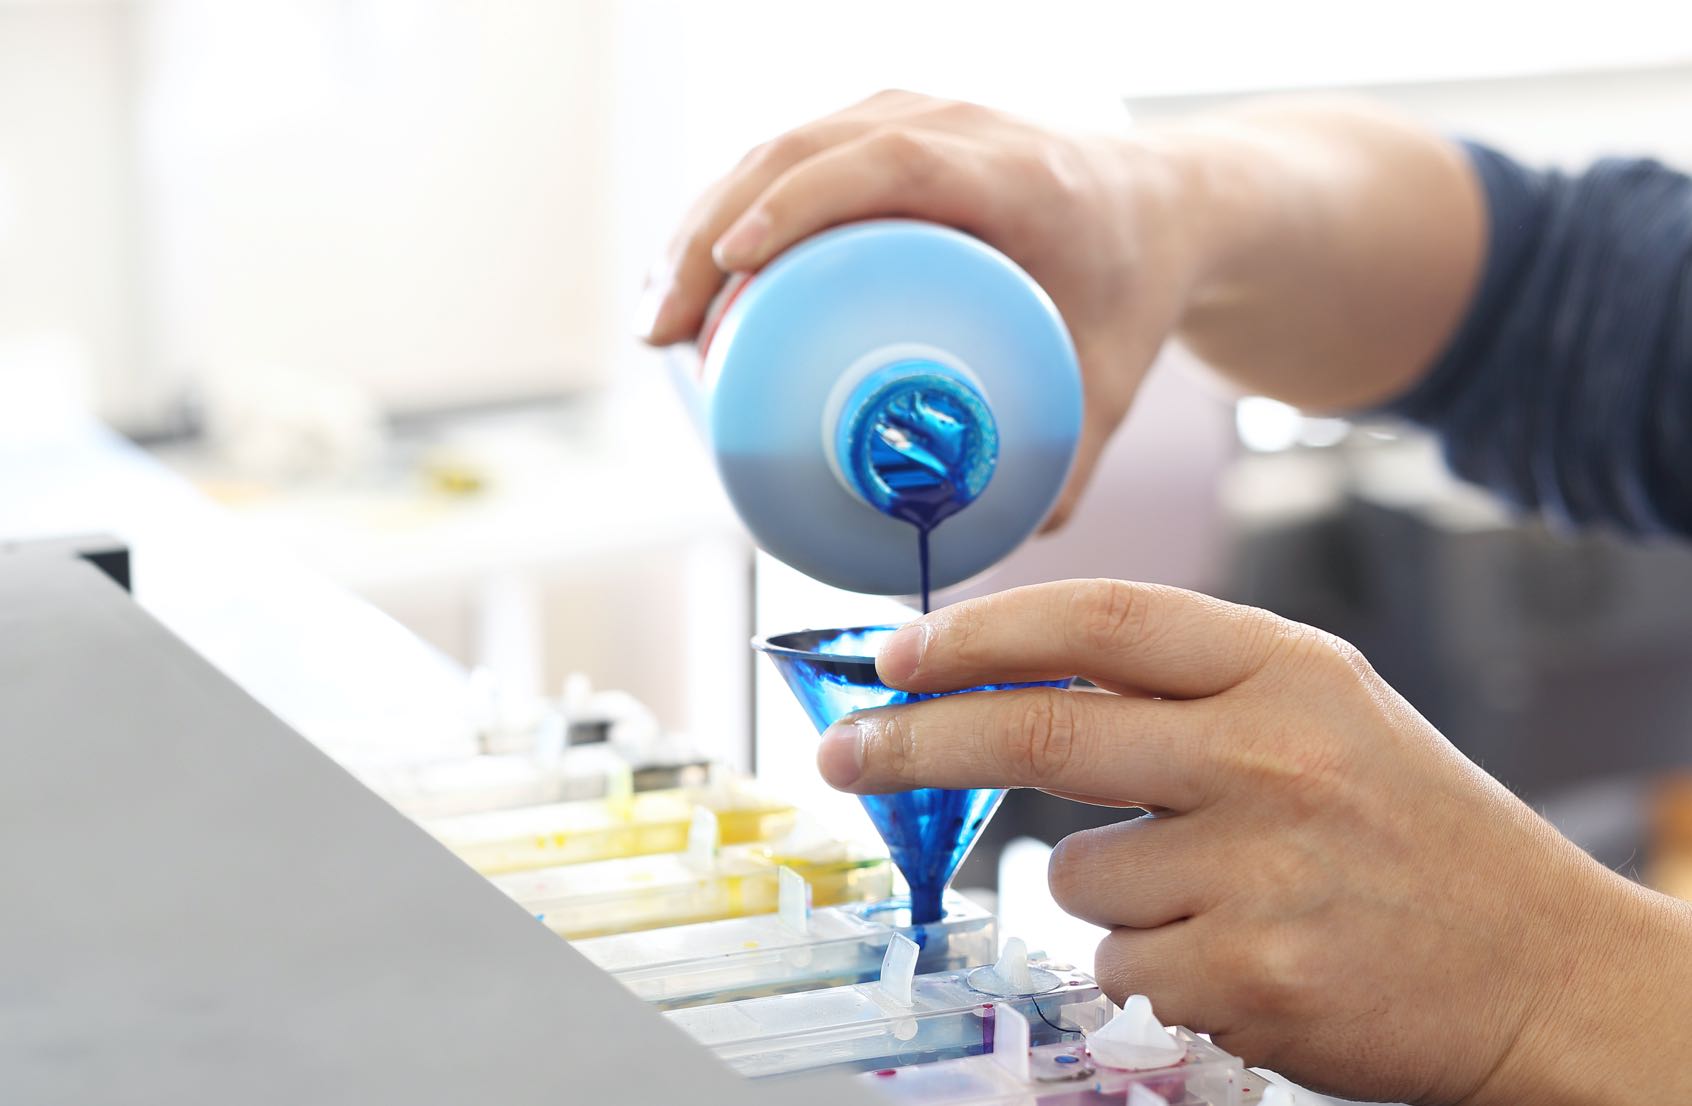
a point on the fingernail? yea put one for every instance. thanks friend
(739, 246)
(902, 655)
(840, 757)
(654, 296)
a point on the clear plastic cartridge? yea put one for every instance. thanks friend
(446, 788)
(637, 824)
(901, 1019)
(1190, 1072)
(794, 949)
(700, 885)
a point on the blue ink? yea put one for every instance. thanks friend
(919, 444)
(929, 831)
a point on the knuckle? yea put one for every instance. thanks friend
(1066, 870)
(893, 745)
(756, 156)
(964, 631)
(780, 152)
(1280, 974)
(1045, 744)
(1058, 171)
(1109, 614)
(1306, 652)
(1115, 968)
(906, 152)
(791, 148)
(960, 111)
(886, 94)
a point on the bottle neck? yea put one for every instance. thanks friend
(915, 439)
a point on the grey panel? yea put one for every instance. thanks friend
(198, 906)
(103, 551)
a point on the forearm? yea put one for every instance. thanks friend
(1335, 247)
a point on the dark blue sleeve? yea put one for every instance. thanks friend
(1568, 386)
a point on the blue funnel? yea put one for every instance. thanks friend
(928, 831)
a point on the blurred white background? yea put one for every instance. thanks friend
(364, 269)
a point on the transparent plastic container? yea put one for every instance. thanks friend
(483, 782)
(1066, 1074)
(710, 962)
(865, 1026)
(646, 892)
(642, 824)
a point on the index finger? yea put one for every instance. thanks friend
(687, 276)
(1146, 637)
(1132, 751)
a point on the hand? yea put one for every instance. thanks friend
(1329, 887)
(1093, 219)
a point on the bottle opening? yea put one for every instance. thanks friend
(917, 441)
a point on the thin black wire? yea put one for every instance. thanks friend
(1050, 1022)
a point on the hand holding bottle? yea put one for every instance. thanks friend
(1091, 218)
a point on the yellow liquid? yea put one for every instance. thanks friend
(620, 896)
(643, 824)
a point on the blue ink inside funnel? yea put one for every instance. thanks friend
(928, 831)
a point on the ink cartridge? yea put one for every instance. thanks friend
(1194, 1073)
(790, 950)
(900, 1019)
(627, 825)
(669, 889)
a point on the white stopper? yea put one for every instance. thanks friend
(702, 837)
(898, 969)
(1011, 1038)
(1135, 1040)
(1277, 1095)
(793, 901)
(619, 788)
(1012, 967)
(1140, 1095)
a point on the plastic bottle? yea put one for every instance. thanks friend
(882, 376)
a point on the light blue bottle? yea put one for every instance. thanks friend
(882, 376)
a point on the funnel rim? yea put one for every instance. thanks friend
(769, 643)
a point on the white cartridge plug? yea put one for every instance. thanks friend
(898, 968)
(1012, 967)
(1013, 975)
(703, 837)
(793, 901)
(1135, 1040)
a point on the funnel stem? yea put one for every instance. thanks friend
(925, 903)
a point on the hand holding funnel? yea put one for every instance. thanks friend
(928, 831)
